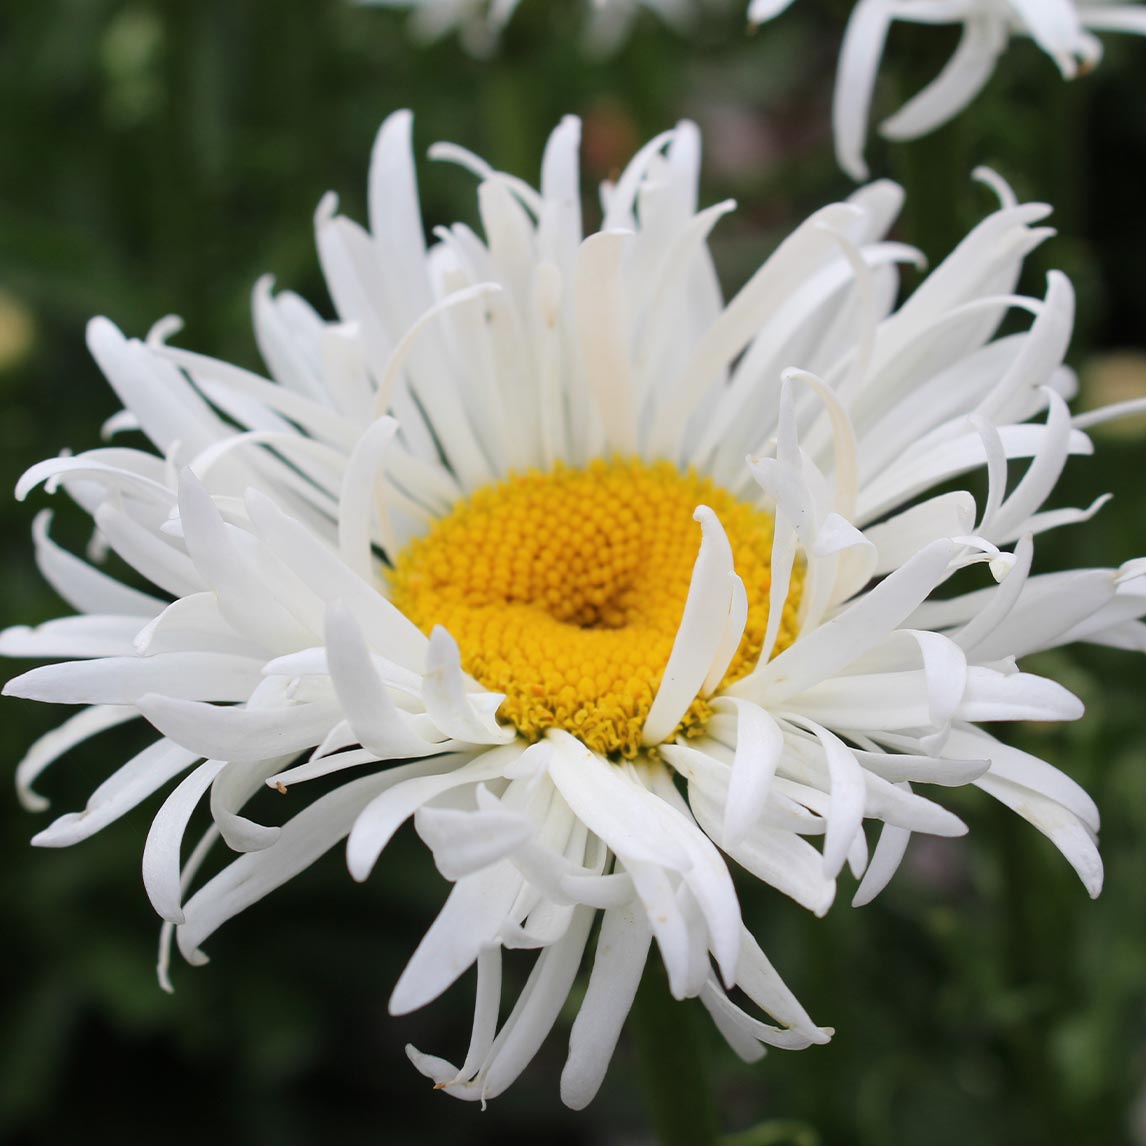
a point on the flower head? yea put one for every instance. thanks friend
(592, 574)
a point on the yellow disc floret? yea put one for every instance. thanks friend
(564, 590)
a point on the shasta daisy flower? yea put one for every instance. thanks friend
(1064, 29)
(486, 552)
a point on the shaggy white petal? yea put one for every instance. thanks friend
(162, 870)
(759, 744)
(238, 733)
(98, 636)
(124, 680)
(122, 791)
(380, 819)
(471, 918)
(466, 842)
(455, 711)
(54, 744)
(622, 948)
(701, 632)
(86, 589)
(885, 861)
(303, 838)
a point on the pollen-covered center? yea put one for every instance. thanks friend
(565, 590)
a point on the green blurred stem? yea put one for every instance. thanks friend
(673, 1071)
(784, 1133)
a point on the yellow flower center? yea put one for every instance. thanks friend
(564, 590)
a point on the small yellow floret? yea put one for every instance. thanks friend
(565, 590)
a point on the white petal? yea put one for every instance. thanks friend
(602, 324)
(395, 217)
(759, 744)
(896, 804)
(167, 407)
(385, 628)
(238, 733)
(455, 711)
(247, 392)
(718, 1003)
(963, 76)
(779, 857)
(730, 638)
(241, 587)
(874, 702)
(92, 636)
(1060, 825)
(833, 646)
(885, 861)
(760, 981)
(617, 811)
(622, 949)
(379, 820)
(161, 866)
(373, 715)
(470, 919)
(52, 745)
(124, 680)
(359, 496)
(897, 767)
(305, 837)
(855, 81)
(467, 842)
(1054, 25)
(761, 10)
(194, 624)
(699, 637)
(899, 538)
(993, 695)
(148, 552)
(84, 588)
(559, 228)
(532, 1017)
(119, 793)
(1018, 767)
(945, 670)
(847, 798)
(230, 791)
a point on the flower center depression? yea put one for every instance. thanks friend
(564, 590)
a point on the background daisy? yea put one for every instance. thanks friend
(1064, 29)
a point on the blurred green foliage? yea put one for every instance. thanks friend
(158, 156)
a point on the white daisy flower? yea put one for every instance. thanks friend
(479, 23)
(1064, 29)
(486, 552)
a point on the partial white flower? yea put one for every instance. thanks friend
(479, 23)
(486, 550)
(1064, 29)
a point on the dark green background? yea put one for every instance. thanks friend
(157, 157)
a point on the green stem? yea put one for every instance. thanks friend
(783, 1133)
(673, 1071)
